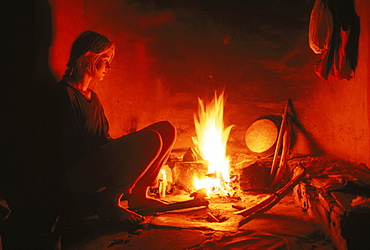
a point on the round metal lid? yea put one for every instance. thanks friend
(261, 137)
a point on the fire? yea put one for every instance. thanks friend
(210, 143)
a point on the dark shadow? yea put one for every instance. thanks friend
(25, 82)
(313, 149)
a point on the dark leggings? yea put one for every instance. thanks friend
(121, 164)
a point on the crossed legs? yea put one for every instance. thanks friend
(127, 165)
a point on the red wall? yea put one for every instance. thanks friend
(336, 112)
(169, 55)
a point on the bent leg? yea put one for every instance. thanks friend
(139, 197)
(131, 161)
(117, 165)
(167, 133)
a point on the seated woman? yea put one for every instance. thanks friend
(94, 161)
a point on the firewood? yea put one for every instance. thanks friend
(173, 206)
(273, 199)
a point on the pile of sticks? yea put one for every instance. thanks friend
(273, 198)
(283, 144)
(277, 172)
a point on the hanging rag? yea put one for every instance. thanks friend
(334, 31)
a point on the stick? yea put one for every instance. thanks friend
(260, 211)
(278, 143)
(284, 156)
(173, 206)
(274, 198)
(261, 204)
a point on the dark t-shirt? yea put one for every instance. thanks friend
(84, 124)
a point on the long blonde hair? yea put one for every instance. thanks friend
(86, 50)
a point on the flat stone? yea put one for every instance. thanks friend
(184, 172)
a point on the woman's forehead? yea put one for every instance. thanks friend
(108, 54)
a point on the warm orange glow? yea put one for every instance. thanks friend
(210, 143)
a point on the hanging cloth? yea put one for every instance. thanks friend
(334, 33)
(320, 28)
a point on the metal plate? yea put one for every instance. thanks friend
(261, 137)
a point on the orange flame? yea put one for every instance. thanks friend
(211, 142)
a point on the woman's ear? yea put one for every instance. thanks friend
(87, 62)
(88, 54)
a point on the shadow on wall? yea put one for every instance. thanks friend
(23, 176)
(303, 142)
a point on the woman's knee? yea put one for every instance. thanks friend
(165, 129)
(152, 138)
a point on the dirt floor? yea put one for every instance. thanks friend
(285, 226)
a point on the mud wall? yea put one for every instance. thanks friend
(169, 53)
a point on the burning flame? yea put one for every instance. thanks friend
(210, 143)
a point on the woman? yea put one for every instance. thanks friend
(94, 161)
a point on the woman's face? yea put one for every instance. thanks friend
(103, 64)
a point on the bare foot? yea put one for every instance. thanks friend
(119, 214)
(140, 199)
(110, 209)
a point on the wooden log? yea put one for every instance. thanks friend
(273, 199)
(173, 206)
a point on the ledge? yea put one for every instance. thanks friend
(336, 196)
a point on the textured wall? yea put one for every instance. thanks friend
(336, 112)
(169, 53)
